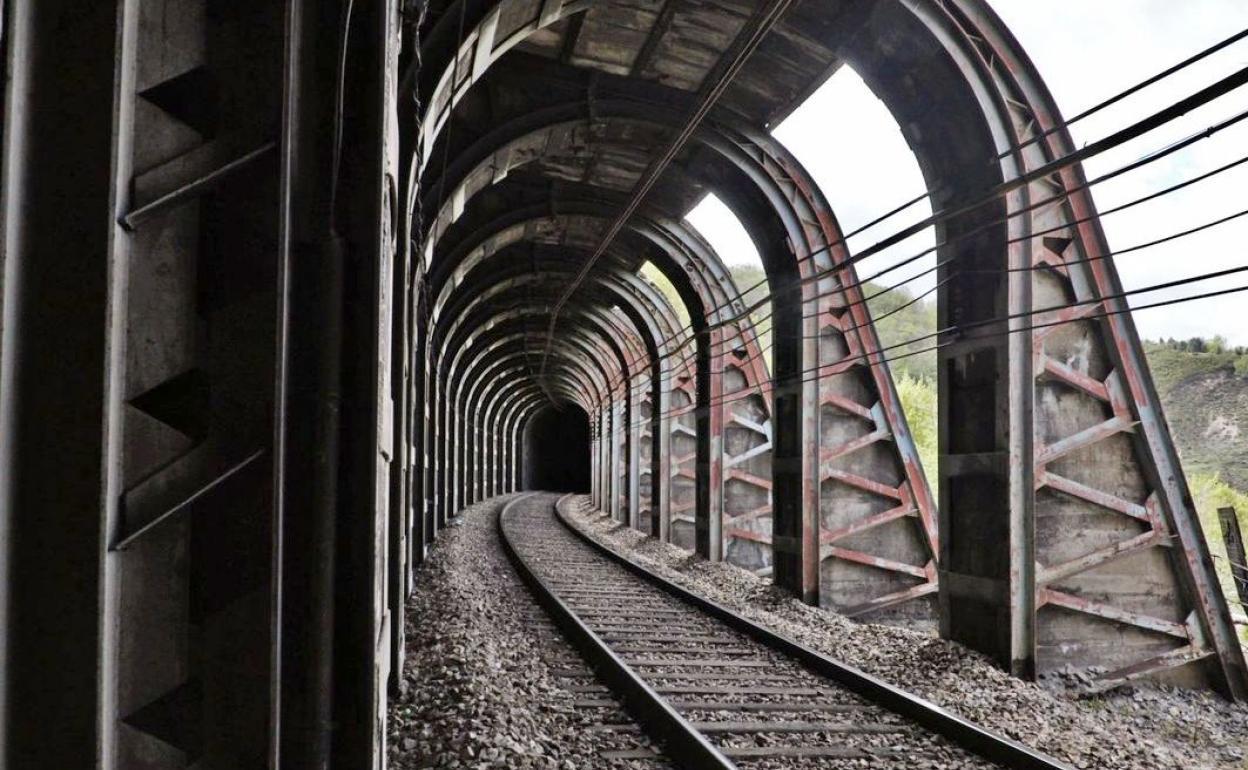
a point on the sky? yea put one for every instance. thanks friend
(1085, 51)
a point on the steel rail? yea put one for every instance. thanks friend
(970, 736)
(684, 743)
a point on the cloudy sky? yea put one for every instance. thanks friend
(1086, 51)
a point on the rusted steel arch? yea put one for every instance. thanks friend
(558, 377)
(474, 459)
(628, 287)
(497, 404)
(503, 326)
(500, 398)
(579, 125)
(634, 295)
(577, 350)
(497, 291)
(474, 324)
(496, 397)
(958, 54)
(502, 161)
(623, 395)
(604, 325)
(541, 310)
(594, 316)
(668, 244)
(640, 286)
(490, 299)
(685, 251)
(925, 565)
(483, 320)
(870, 499)
(449, 421)
(657, 478)
(712, 273)
(706, 345)
(682, 254)
(506, 234)
(526, 405)
(648, 308)
(1083, 438)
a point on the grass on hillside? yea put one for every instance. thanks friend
(1170, 366)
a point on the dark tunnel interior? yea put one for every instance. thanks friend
(556, 450)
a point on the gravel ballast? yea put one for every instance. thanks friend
(1141, 726)
(480, 683)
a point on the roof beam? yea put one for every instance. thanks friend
(661, 25)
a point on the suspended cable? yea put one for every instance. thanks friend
(759, 304)
(877, 357)
(746, 42)
(1140, 86)
(830, 272)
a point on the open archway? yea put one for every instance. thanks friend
(556, 450)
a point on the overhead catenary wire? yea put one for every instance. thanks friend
(854, 259)
(1137, 129)
(814, 373)
(959, 330)
(1134, 89)
(1179, 107)
(759, 304)
(1125, 134)
(748, 40)
(1151, 157)
(685, 360)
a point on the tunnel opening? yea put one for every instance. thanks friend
(557, 450)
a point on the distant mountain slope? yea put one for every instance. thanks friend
(1205, 399)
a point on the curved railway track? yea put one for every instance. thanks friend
(714, 688)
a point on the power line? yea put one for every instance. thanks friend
(1147, 124)
(830, 272)
(1085, 260)
(1140, 86)
(746, 41)
(960, 330)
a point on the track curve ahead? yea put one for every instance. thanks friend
(715, 688)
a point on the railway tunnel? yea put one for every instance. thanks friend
(291, 284)
(556, 450)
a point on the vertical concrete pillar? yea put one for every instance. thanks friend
(633, 427)
(604, 417)
(795, 464)
(661, 459)
(616, 432)
(709, 517)
(69, 110)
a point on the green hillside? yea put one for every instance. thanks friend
(1204, 392)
